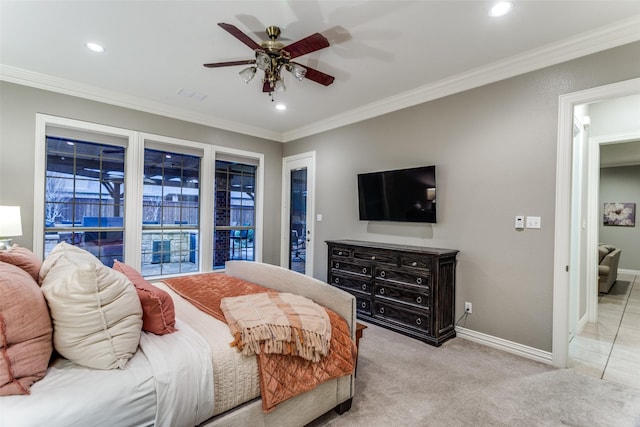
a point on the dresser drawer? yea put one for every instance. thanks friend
(416, 295)
(415, 262)
(365, 270)
(404, 277)
(341, 252)
(409, 318)
(377, 257)
(363, 305)
(351, 284)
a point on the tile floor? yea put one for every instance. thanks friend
(610, 349)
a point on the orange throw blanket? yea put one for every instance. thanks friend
(281, 376)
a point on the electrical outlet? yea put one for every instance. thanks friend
(468, 307)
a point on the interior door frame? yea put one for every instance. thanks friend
(562, 239)
(297, 161)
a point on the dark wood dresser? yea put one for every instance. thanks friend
(408, 289)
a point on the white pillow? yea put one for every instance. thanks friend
(96, 313)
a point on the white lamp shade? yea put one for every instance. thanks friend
(279, 88)
(10, 223)
(298, 71)
(247, 74)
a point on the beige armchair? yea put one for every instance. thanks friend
(609, 258)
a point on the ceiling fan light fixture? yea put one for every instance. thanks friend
(263, 61)
(298, 71)
(271, 56)
(248, 74)
(279, 86)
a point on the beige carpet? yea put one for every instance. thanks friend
(404, 382)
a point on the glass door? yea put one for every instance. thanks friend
(297, 224)
(298, 219)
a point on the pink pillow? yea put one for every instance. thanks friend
(25, 331)
(23, 258)
(158, 312)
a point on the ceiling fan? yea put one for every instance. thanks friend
(272, 57)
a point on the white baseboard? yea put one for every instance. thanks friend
(505, 345)
(627, 271)
(581, 323)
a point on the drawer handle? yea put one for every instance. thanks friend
(414, 263)
(419, 300)
(382, 273)
(340, 253)
(363, 304)
(336, 280)
(337, 265)
(419, 280)
(382, 310)
(381, 291)
(364, 286)
(373, 257)
(418, 321)
(364, 270)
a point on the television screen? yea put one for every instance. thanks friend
(406, 195)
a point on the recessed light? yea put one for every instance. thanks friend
(281, 107)
(95, 47)
(500, 9)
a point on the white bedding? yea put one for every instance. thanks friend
(163, 375)
(129, 395)
(235, 376)
(183, 376)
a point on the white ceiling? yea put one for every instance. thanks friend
(615, 155)
(385, 55)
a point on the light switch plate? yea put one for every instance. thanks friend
(519, 222)
(533, 222)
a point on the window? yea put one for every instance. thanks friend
(170, 213)
(235, 214)
(84, 197)
(148, 200)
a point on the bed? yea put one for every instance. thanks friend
(190, 377)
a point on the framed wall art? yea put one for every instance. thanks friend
(619, 214)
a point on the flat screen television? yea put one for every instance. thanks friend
(404, 195)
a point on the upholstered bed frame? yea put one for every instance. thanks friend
(179, 378)
(302, 409)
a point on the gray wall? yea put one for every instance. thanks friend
(495, 152)
(622, 184)
(494, 147)
(18, 108)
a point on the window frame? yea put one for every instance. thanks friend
(134, 171)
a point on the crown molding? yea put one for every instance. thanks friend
(68, 87)
(618, 34)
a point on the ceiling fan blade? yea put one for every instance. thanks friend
(266, 87)
(230, 63)
(307, 45)
(235, 32)
(317, 76)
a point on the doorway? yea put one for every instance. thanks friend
(298, 179)
(565, 246)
